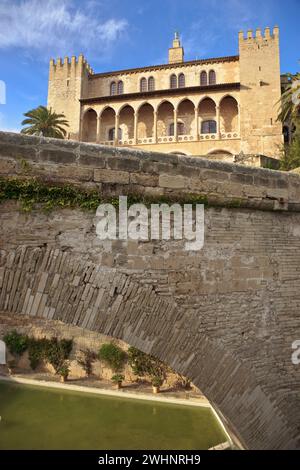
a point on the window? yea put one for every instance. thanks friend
(120, 88)
(111, 134)
(113, 88)
(203, 78)
(212, 77)
(143, 85)
(181, 80)
(209, 127)
(173, 81)
(151, 84)
(180, 129)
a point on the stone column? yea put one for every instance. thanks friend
(218, 122)
(239, 120)
(175, 125)
(196, 136)
(117, 119)
(98, 134)
(155, 127)
(135, 127)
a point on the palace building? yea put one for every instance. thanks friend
(221, 106)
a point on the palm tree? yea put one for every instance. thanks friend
(290, 100)
(42, 121)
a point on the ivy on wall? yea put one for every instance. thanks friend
(33, 192)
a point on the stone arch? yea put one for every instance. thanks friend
(229, 111)
(165, 117)
(89, 125)
(2, 353)
(145, 120)
(108, 115)
(126, 122)
(207, 115)
(113, 303)
(186, 114)
(220, 154)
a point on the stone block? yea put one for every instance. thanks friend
(111, 176)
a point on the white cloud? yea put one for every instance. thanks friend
(56, 27)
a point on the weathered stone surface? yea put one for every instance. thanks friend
(111, 176)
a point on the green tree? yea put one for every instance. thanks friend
(290, 101)
(290, 158)
(42, 121)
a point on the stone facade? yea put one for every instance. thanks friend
(220, 106)
(225, 316)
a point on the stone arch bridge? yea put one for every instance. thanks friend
(225, 316)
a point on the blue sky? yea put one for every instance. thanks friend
(115, 34)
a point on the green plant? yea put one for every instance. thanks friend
(58, 351)
(156, 381)
(17, 343)
(143, 364)
(113, 356)
(86, 359)
(45, 122)
(117, 378)
(290, 154)
(64, 369)
(52, 350)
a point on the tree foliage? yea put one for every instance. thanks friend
(43, 121)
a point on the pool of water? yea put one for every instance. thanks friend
(35, 418)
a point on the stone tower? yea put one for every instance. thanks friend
(260, 91)
(176, 52)
(68, 82)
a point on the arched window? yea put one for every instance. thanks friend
(212, 77)
(111, 134)
(203, 78)
(173, 81)
(143, 85)
(151, 84)
(180, 129)
(120, 87)
(209, 127)
(181, 80)
(113, 88)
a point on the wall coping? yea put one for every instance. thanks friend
(262, 188)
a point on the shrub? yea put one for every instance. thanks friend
(16, 342)
(64, 369)
(156, 381)
(117, 378)
(143, 364)
(113, 356)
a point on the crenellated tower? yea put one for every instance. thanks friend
(260, 91)
(68, 82)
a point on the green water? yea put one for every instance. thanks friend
(35, 418)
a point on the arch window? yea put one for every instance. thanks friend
(181, 80)
(120, 87)
(113, 88)
(180, 129)
(203, 78)
(111, 134)
(143, 84)
(151, 84)
(209, 127)
(212, 77)
(173, 81)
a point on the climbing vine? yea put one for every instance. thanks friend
(32, 193)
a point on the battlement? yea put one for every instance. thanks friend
(258, 34)
(71, 63)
